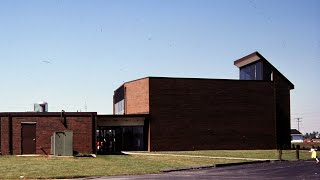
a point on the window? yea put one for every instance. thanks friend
(119, 100)
(251, 72)
(119, 107)
(132, 138)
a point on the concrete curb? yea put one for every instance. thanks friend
(214, 166)
(189, 168)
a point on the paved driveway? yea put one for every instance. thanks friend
(273, 170)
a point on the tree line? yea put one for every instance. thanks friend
(312, 135)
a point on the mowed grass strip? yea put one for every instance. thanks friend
(12, 167)
(257, 154)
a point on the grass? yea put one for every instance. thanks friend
(12, 167)
(257, 154)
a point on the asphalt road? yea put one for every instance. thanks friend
(273, 170)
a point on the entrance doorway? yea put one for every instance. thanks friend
(28, 138)
(115, 139)
(108, 140)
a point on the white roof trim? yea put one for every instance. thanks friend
(247, 61)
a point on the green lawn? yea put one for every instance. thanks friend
(259, 154)
(12, 167)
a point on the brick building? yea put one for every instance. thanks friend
(165, 113)
(30, 132)
(197, 114)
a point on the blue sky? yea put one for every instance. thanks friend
(72, 53)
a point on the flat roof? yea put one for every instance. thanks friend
(122, 115)
(255, 56)
(46, 114)
(195, 78)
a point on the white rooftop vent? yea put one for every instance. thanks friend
(41, 106)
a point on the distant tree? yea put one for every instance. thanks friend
(306, 136)
(312, 135)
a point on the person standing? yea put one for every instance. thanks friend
(313, 151)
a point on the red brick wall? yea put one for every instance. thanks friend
(45, 127)
(82, 133)
(137, 97)
(4, 135)
(194, 114)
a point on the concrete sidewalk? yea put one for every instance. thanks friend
(192, 156)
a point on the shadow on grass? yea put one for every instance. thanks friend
(112, 153)
(76, 154)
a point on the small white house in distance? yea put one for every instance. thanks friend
(296, 136)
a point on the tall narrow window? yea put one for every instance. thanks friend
(119, 107)
(119, 100)
(258, 71)
(251, 72)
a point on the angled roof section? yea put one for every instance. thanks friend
(294, 131)
(256, 56)
(251, 58)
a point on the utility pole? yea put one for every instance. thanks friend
(299, 121)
